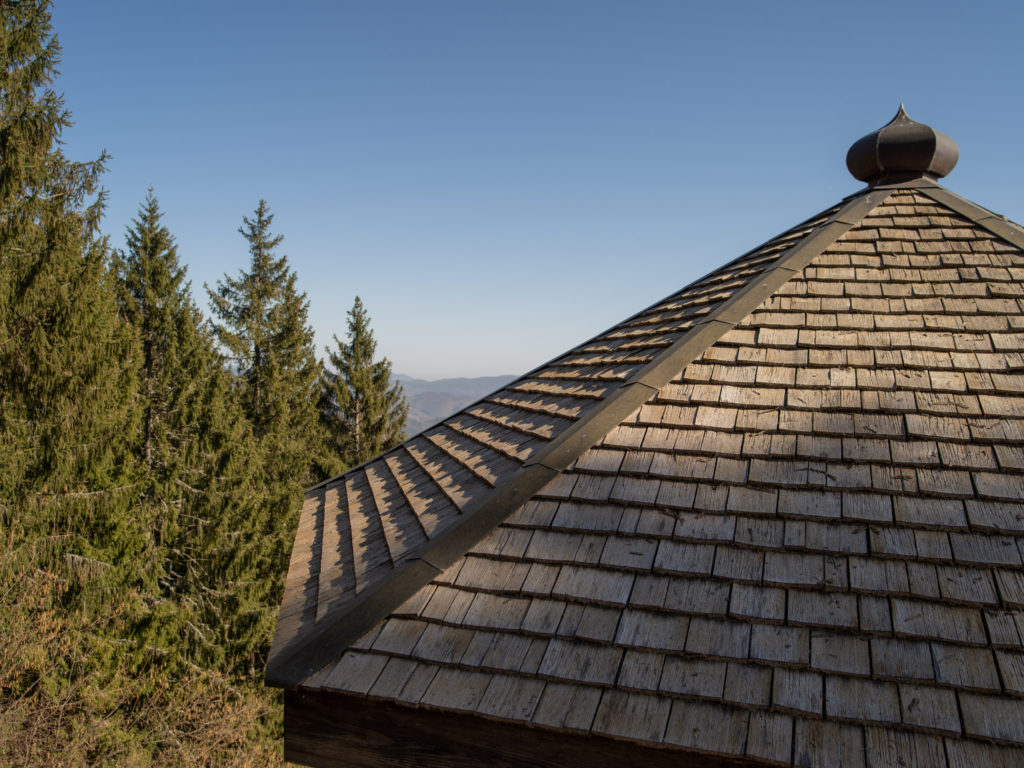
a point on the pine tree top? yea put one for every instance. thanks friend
(262, 321)
(263, 317)
(363, 409)
(34, 174)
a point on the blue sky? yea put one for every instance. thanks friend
(500, 181)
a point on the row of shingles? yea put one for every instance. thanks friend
(543, 404)
(663, 323)
(392, 505)
(623, 349)
(379, 513)
(301, 590)
(713, 289)
(942, 247)
(957, 659)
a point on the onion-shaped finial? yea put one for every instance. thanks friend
(902, 150)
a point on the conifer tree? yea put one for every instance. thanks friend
(195, 486)
(264, 328)
(68, 545)
(363, 410)
(74, 558)
(65, 357)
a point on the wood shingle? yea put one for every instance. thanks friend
(777, 518)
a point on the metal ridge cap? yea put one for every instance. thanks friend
(659, 371)
(983, 217)
(305, 655)
(844, 203)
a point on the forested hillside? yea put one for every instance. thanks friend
(152, 459)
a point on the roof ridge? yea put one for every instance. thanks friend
(291, 665)
(998, 225)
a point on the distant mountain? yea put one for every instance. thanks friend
(433, 401)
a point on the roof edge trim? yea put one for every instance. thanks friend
(304, 656)
(568, 446)
(993, 222)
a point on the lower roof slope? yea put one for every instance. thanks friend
(803, 545)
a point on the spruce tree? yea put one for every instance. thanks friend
(196, 464)
(76, 568)
(262, 324)
(65, 357)
(264, 328)
(70, 553)
(363, 410)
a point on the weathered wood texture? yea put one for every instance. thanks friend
(807, 547)
(333, 730)
(465, 467)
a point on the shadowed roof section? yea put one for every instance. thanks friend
(775, 518)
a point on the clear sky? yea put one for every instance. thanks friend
(500, 181)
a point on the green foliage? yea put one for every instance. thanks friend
(74, 689)
(264, 328)
(362, 409)
(123, 482)
(66, 389)
(196, 491)
(70, 698)
(148, 487)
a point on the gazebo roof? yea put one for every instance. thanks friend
(776, 517)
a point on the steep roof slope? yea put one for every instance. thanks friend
(777, 515)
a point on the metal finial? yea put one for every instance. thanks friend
(900, 150)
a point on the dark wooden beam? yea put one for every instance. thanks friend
(330, 729)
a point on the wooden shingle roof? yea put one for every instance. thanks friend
(776, 518)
